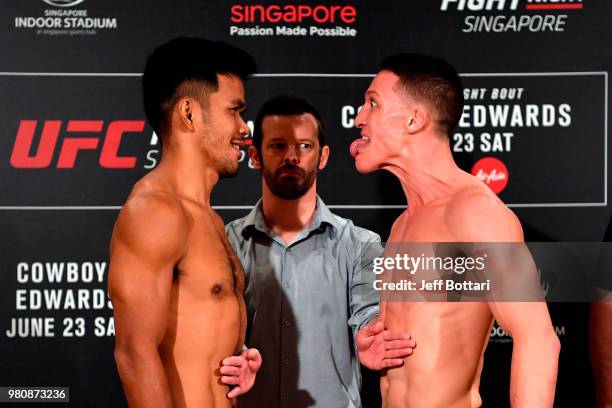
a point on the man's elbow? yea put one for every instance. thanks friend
(551, 342)
(129, 358)
(545, 343)
(556, 344)
(126, 360)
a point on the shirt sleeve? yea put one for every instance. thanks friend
(363, 298)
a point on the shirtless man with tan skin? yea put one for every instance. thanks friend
(175, 282)
(410, 108)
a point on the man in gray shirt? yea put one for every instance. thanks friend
(311, 308)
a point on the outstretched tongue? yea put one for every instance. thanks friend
(356, 145)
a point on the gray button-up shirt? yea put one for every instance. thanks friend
(305, 303)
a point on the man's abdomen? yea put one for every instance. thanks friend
(444, 369)
(198, 337)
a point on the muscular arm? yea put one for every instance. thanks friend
(147, 242)
(535, 352)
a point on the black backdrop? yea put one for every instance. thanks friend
(73, 141)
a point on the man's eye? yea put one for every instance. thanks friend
(373, 103)
(305, 146)
(276, 146)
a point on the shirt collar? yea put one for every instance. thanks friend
(255, 219)
(325, 215)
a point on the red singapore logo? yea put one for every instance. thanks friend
(492, 172)
(273, 13)
(22, 158)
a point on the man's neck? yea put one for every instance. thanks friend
(427, 171)
(288, 217)
(189, 174)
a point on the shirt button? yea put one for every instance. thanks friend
(286, 361)
(287, 323)
(286, 285)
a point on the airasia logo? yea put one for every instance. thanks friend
(492, 172)
(22, 156)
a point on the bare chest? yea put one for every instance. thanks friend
(210, 267)
(427, 225)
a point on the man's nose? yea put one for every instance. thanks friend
(292, 154)
(360, 119)
(244, 128)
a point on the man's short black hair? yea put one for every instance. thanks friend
(432, 80)
(286, 105)
(187, 67)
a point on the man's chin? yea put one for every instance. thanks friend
(229, 173)
(364, 166)
(289, 188)
(289, 191)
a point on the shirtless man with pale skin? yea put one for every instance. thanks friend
(175, 282)
(410, 109)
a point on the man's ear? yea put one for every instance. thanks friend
(417, 120)
(254, 157)
(323, 158)
(185, 110)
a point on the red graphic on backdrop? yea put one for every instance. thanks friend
(492, 172)
(22, 158)
(553, 5)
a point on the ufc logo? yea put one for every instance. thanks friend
(23, 158)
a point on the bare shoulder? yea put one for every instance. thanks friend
(398, 224)
(218, 221)
(476, 214)
(152, 222)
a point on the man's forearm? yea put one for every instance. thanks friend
(144, 378)
(534, 371)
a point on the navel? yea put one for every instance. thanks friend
(216, 289)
